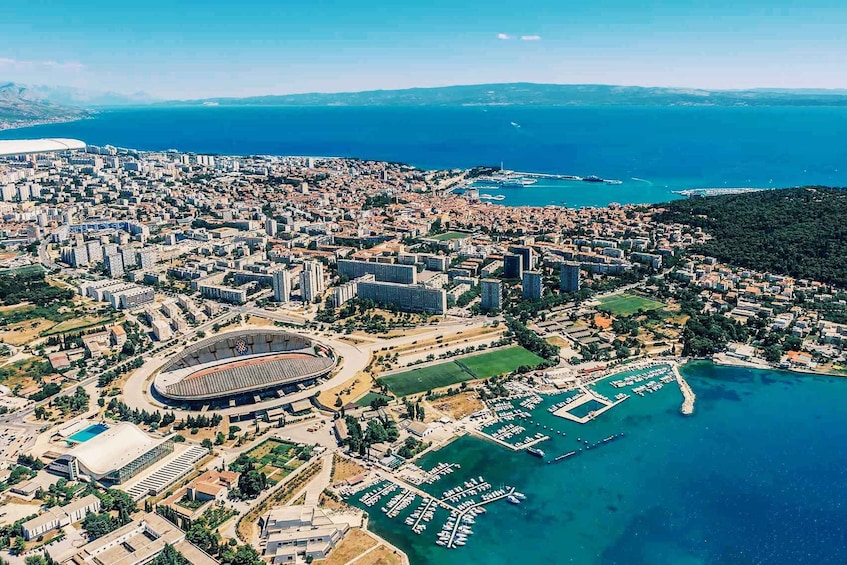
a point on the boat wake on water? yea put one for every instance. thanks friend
(642, 180)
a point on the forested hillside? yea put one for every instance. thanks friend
(800, 232)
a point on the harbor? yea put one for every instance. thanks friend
(516, 179)
(464, 504)
(534, 427)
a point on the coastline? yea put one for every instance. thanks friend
(10, 126)
(722, 359)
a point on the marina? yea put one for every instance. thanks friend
(412, 500)
(465, 504)
(514, 179)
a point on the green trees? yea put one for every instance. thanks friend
(705, 334)
(251, 482)
(798, 231)
(773, 353)
(98, 525)
(31, 287)
(530, 340)
(203, 537)
(169, 556)
(74, 404)
(242, 555)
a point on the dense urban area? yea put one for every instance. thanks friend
(203, 357)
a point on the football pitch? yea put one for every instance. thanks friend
(627, 304)
(448, 373)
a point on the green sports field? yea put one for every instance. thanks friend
(480, 366)
(627, 304)
(450, 235)
(498, 362)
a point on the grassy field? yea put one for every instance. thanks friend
(500, 361)
(82, 322)
(449, 373)
(370, 397)
(426, 378)
(450, 235)
(627, 304)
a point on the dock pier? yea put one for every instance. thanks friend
(508, 445)
(688, 395)
(450, 543)
(429, 503)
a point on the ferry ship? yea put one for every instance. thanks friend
(596, 179)
(534, 451)
(592, 178)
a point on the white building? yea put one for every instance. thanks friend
(311, 281)
(55, 518)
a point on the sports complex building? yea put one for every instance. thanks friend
(243, 367)
(124, 456)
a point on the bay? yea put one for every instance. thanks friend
(653, 150)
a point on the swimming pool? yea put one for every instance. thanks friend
(88, 433)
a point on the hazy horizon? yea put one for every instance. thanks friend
(175, 50)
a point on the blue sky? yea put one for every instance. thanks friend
(181, 49)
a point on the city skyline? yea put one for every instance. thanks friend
(177, 51)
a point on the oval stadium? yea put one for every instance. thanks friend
(244, 366)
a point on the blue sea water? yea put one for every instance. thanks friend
(756, 475)
(652, 150)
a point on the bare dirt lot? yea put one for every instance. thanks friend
(460, 405)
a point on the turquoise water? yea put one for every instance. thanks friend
(88, 433)
(652, 150)
(756, 475)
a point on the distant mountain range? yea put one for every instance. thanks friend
(530, 94)
(18, 109)
(22, 105)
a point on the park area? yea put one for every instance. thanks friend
(276, 458)
(627, 304)
(480, 366)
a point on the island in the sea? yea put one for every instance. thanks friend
(286, 358)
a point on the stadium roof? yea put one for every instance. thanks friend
(114, 448)
(30, 146)
(246, 376)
